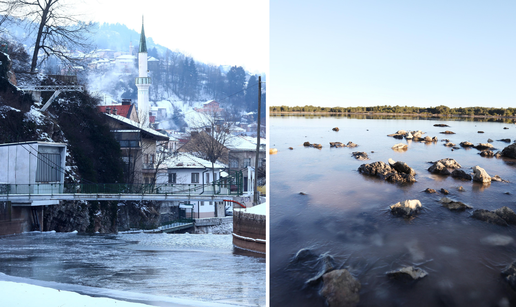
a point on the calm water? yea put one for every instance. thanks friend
(345, 213)
(192, 267)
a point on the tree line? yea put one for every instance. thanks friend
(439, 110)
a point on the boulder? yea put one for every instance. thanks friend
(409, 272)
(483, 146)
(488, 216)
(498, 178)
(384, 171)
(351, 145)
(448, 132)
(444, 191)
(402, 167)
(409, 136)
(337, 144)
(438, 168)
(453, 205)
(340, 289)
(335, 129)
(480, 175)
(466, 144)
(450, 163)
(318, 146)
(428, 139)
(509, 275)
(306, 144)
(400, 147)
(406, 208)
(507, 214)
(360, 155)
(460, 174)
(487, 154)
(510, 151)
(449, 144)
(430, 191)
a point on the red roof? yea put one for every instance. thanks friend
(122, 110)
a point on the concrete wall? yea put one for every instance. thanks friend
(15, 220)
(18, 162)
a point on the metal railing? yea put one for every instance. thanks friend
(216, 188)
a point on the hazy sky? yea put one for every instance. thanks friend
(227, 32)
(416, 53)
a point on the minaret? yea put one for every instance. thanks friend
(143, 82)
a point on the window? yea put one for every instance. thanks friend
(151, 159)
(207, 177)
(172, 177)
(247, 162)
(233, 163)
(48, 167)
(195, 177)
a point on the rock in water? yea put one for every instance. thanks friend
(406, 208)
(454, 205)
(480, 175)
(510, 151)
(360, 155)
(488, 216)
(458, 173)
(386, 172)
(506, 214)
(340, 289)
(439, 168)
(428, 190)
(402, 167)
(450, 163)
(400, 147)
(509, 274)
(466, 144)
(335, 129)
(407, 272)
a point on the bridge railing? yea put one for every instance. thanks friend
(119, 188)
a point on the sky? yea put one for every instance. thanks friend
(417, 53)
(221, 32)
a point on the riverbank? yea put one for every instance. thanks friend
(424, 115)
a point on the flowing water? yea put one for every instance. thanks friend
(193, 267)
(345, 213)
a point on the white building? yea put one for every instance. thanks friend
(193, 172)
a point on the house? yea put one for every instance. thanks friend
(138, 145)
(210, 107)
(185, 169)
(126, 109)
(30, 167)
(242, 154)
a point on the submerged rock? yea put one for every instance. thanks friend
(488, 216)
(454, 205)
(480, 175)
(505, 140)
(509, 275)
(409, 272)
(406, 208)
(340, 288)
(497, 240)
(310, 266)
(360, 155)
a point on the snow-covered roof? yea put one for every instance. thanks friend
(136, 125)
(260, 209)
(244, 143)
(187, 160)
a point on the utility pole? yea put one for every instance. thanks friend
(258, 130)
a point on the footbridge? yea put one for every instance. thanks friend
(57, 89)
(28, 193)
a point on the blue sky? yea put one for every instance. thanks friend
(415, 53)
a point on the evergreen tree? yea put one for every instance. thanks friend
(236, 82)
(251, 94)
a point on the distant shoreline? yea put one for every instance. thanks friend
(393, 114)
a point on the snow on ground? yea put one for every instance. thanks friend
(260, 209)
(20, 294)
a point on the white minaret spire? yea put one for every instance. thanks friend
(143, 82)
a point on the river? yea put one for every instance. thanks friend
(196, 267)
(345, 214)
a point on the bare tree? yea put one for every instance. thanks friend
(56, 29)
